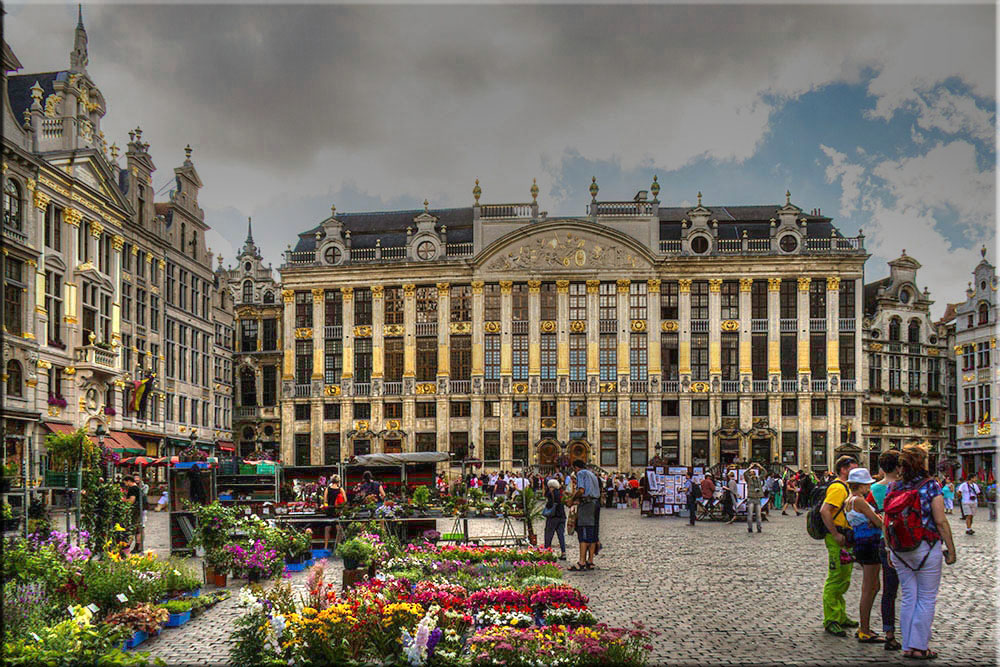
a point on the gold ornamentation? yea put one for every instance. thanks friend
(477, 286)
(40, 199)
(28, 335)
(959, 349)
(608, 387)
(361, 424)
(774, 284)
(426, 388)
(347, 292)
(593, 286)
(31, 262)
(730, 325)
(715, 284)
(534, 286)
(317, 295)
(993, 342)
(409, 290)
(135, 251)
(638, 326)
(491, 327)
(653, 286)
(578, 326)
(561, 250)
(461, 327)
(363, 331)
(443, 289)
(833, 282)
(804, 283)
(117, 242)
(875, 347)
(969, 378)
(684, 285)
(72, 216)
(287, 295)
(162, 263)
(746, 284)
(392, 424)
(699, 387)
(303, 332)
(547, 326)
(670, 326)
(331, 390)
(548, 422)
(31, 382)
(562, 286)
(70, 370)
(378, 291)
(520, 388)
(933, 352)
(623, 285)
(96, 229)
(43, 364)
(393, 330)
(506, 286)
(149, 258)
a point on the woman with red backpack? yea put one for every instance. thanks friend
(915, 525)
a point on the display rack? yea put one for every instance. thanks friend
(182, 521)
(253, 488)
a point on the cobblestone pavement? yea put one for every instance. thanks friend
(716, 594)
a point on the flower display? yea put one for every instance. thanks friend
(257, 560)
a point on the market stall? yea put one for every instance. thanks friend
(187, 481)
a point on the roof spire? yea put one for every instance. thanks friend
(249, 231)
(78, 56)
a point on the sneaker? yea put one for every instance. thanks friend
(835, 629)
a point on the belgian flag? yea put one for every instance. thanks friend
(141, 389)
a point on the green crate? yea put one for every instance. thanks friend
(247, 469)
(265, 468)
(229, 468)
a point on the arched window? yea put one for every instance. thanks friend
(12, 216)
(183, 235)
(247, 291)
(895, 329)
(913, 333)
(984, 313)
(268, 297)
(14, 380)
(248, 388)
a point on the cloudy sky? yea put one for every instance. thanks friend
(883, 117)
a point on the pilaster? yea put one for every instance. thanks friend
(684, 339)
(746, 284)
(347, 295)
(409, 333)
(444, 330)
(562, 340)
(506, 312)
(318, 349)
(802, 311)
(714, 328)
(624, 329)
(478, 335)
(288, 365)
(774, 327)
(832, 327)
(653, 343)
(534, 336)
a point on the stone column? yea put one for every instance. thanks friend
(774, 327)
(409, 420)
(534, 340)
(684, 333)
(378, 336)
(714, 329)
(805, 431)
(71, 306)
(562, 335)
(802, 311)
(318, 376)
(347, 374)
(40, 202)
(444, 331)
(624, 386)
(506, 312)
(478, 336)
(288, 334)
(684, 435)
(655, 395)
(593, 364)
(746, 369)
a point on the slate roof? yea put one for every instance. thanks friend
(734, 220)
(871, 294)
(19, 89)
(390, 227)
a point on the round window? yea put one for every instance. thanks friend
(932, 339)
(247, 267)
(982, 284)
(268, 431)
(333, 255)
(425, 250)
(904, 296)
(699, 245)
(876, 333)
(248, 433)
(788, 243)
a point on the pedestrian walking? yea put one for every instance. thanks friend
(948, 492)
(866, 527)
(968, 494)
(888, 463)
(839, 565)
(609, 491)
(792, 494)
(755, 491)
(692, 491)
(920, 568)
(622, 490)
(555, 516)
(633, 492)
(729, 499)
(587, 497)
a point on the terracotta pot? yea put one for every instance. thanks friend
(219, 580)
(533, 539)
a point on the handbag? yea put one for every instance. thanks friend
(549, 510)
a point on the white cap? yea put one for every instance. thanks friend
(860, 476)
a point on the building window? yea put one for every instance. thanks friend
(248, 335)
(789, 407)
(638, 357)
(609, 408)
(426, 358)
(426, 442)
(331, 411)
(577, 302)
(758, 300)
(248, 388)
(303, 361)
(577, 357)
(730, 299)
(639, 408)
(671, 443)
(790, 448)
(934, 376)
(333, 361)
(670, 357)
(895, 373)
(519, 302)
(817, 299)
(426, 410)
(730, 408)
(875, 415)
(13, 288)
(984, 402)
(363, 306)
(819, 455)
(548, 409)
(247, 291)
(788, 356)
(491, 446)
(984, 313)
(520, 447)
(847, 299)
(608, 357)
(269, 385)
(491, 357)
(670, 408)
(913, 375)
(393, 305)
(730, 348)
(548, 302)
(394, 359)
(15, 385)
(895, 329)
(818, 407)
(333, 308)
(699, 408)
(817, 356)
(699, 300)
(269, 334)
(548, 356)
(460, 409)
(788, 300)
(968, 357)
(303, 310)
(392, 411)
(331, 448)
(848, 407)
(609, 448)
(699, 448)
(984, 355)
(427, 304)
(637, 300)
(461, 357)
(699, 357)
(577, 408)
(913, 331)
(669, 301)
(13, 215)
(362, 410)
(519, 357)
(640, 448)
(519, 408)
(302, 457)
(607, 302)
(758, 356)
(53, 228)
(303, 412)
(461, 303)
(760, 407)
(363, 360)
(54, 307)
(154, 312)
(491, 302)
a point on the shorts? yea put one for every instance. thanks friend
(866, 553)
(586, 533)
(968, 509)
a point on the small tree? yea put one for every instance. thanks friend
(66, 449)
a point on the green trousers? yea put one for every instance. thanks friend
(838, 580)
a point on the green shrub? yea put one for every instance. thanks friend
(356, 549)
(178, 606)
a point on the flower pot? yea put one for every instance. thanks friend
(219, 579)
(253, 578)
(177, 620)
(192, 594)
(350, 564)
(294, 567)
(320, 554)
(352, 577)
(533, 539)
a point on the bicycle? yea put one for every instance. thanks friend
(710, 510)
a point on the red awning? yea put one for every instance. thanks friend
(226, 446)
(65, 429)
(123, 442)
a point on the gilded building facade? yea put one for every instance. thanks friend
(704, 334)
(906, 361)
(98, 277)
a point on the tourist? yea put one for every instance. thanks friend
(587, 496)
(707, 490)
(370, 487)
(333, 497)
(133, 496)
(622, 490)
(807, 482)
(838, 578)
(948, 492)
(968, 493)
(500, 487)
(867, 527)
(633, 492)
(729, 500)
(792, 494)
(888, 463)
(920, 570)
(609, 491)
(692, 491)
(555, 522)
(755, 491)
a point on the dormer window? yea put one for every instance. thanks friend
(333, 255)
(425, 250)
(247, 267)
(269, 297)
(699, 244)
(788, 243)
(895, 328)
(984, 313)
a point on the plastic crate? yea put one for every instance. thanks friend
(177, 620)
(246, 469)
(229, 468)
(265, 468)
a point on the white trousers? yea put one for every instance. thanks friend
(918, 593)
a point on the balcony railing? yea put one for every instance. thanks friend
(699, 326)
(607, 326)
(758, 326)
(246, 411)
(578, 386)
(519, 326)
(671, 386)
(491, 387)
(639, 386)
(15, 235)
(505, 211)
(730, 386)
(362, 388)
(394, 252)
(333, 332)
(97, 357)
(670, 246)
(459, 249)
(363, 254)
(789, 386)
(302, 390)
(624, 208)
(392, 388)
(427, 328)
(758, 245)
(819, 385)
(847, 324)
(817, 324)
(764, 246)
(788, 325)
(300, 257)
(548, 386)
(730, 246)
(760, 386)
(460, 386)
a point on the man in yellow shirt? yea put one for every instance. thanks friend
(838, 578)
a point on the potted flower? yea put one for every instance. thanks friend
(431, 536)
(10, 522)
(532, 511)
(110, 411)
(143, 620)
(255, 562)
(296, 548)
(356, 552)
(421, 499)
(220, 561)
(179, 611)
(57, 401)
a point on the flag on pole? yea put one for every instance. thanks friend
(140, 394)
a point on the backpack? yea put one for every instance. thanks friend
(904, 524)
(814, 520)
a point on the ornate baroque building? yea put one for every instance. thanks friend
(257, 352)
(977, 369)
(905, 357)
(705, 334)
(101, 284)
